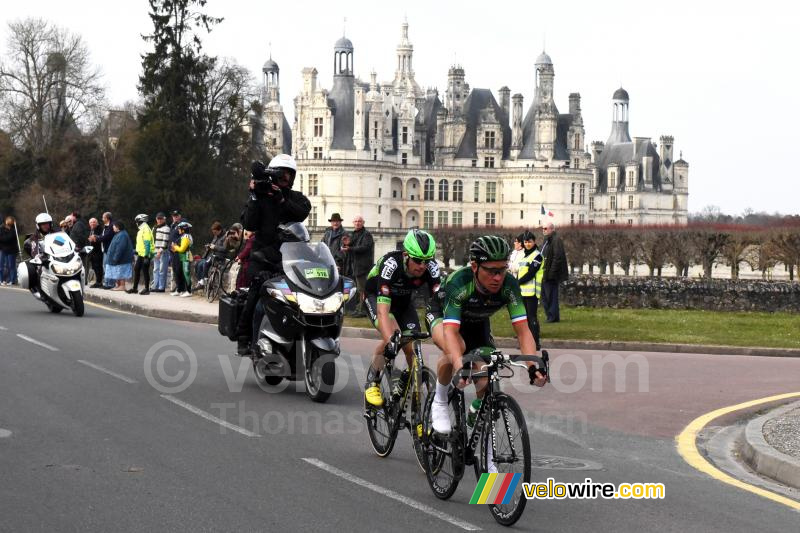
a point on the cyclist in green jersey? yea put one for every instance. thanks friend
(471, 295)
(389, 302)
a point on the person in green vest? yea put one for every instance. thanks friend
(531, 270)
(144, 252)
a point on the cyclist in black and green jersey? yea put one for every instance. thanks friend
(389, 301)
(471, 295)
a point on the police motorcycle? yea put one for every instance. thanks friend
(299, 316)
(60, 272)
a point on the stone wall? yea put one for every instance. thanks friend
(678, 293)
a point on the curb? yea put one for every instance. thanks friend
(765, 459)
(501, 342)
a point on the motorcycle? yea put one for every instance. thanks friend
(300, 315)
(59, 269)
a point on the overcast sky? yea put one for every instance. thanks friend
(721, 78)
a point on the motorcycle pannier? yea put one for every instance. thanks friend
(230, 309)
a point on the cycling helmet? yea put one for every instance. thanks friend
(185, 226)
(419, 245)
(142, 218)
(489, 248)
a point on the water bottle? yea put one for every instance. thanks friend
(474, 407)
(400, 386)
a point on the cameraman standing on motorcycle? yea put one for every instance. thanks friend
(272, 202)
(33, 246)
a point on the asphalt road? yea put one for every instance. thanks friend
(89, 442)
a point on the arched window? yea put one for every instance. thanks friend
(444, 190)
(428, 189)
(458, 191)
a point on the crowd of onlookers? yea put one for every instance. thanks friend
(353, 251)
(162, 257)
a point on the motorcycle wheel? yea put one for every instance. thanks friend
(77, 303)
(320, 375)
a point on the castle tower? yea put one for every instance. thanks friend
(516, 125)
(270, 90)
(546, 114)
(457, 91)
(505, 101)
(619, 126)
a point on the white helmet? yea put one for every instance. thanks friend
(141, 218)
(43, 218)
(283, 161)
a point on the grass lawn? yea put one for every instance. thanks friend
(763, 330)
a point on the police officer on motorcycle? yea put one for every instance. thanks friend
(29, 276)
(272, 202)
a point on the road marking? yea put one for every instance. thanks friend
(209, 416)
(5, 433)
(3, 329)
(38, 343)
(687, 447)
(107, 371)
(391, 494)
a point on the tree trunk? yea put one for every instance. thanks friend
(659, 272)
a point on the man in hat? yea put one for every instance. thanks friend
(333, 235)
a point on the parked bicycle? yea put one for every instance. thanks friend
(498, 441)
(402, 402)
(215, 279)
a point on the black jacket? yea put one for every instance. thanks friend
(8, 240)
(263, 215)
(96, 245)
(555, 259)
(106, 237)
(362, 252)
(333, 239)
(79, 233)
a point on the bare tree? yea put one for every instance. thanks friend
(654, 250)
(736, 249)
(679, 250)
(48, 88)
(708, 243)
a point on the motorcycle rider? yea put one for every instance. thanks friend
(33, 247)
(272, 202)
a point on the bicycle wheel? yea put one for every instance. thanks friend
(382, 424)
(213, 281)
(512, 454)
(443, 454)
(427, 387)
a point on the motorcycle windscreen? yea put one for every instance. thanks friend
(311, 267)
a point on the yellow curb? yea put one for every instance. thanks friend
(687, 447)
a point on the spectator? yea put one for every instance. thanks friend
(555, 271)
(183, 251)
(214, 249)
(161, 260)
(96, 257)
(360, 253)
(78, 231)
(174, 239)
(144, 251)
(119, 267)
(105, 243)
(233, 240)
(516, 255)
(333, 236)
(9, 248)
(530, 277)
(244, 260)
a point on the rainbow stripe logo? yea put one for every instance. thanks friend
(496, 489)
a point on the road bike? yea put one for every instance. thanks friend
(497, 442)
(402, 403)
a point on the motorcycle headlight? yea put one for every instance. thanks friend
(319, 306)
(67, 269)
(281, 296)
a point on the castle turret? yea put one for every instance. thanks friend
(516, 125)
(619, 126)
(546, 114)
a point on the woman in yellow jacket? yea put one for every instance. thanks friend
(183, 279)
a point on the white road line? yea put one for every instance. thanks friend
(392, 494)
(3, 329)
(107, 371)
(209, 416)
(38, 343)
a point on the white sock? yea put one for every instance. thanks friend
(441, 392)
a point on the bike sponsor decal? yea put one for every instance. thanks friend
(388, 268)
(316, 273)
(433, 268)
